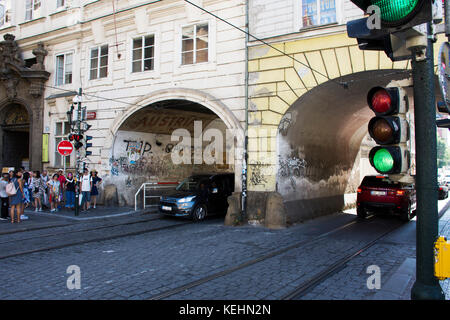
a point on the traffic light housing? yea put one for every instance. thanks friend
(398, 15)
(88, 145)
(76, 138)
(389, 129)
(393, 25)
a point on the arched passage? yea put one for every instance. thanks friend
(139, 147)
(319, 138)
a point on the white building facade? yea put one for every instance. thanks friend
(167, 62)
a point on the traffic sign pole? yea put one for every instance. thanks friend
(426, 286)
(77, 184)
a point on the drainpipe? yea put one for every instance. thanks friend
(245, 155)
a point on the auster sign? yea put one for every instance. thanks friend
(65, 148)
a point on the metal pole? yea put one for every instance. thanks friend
(426, 286)
(77, 156)
(447, 18)
(245, 155)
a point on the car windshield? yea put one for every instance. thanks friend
(191, 183)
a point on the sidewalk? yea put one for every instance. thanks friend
(100, 212)
(47, 219)
(399, 285)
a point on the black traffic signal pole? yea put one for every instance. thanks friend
(77, 156)
(427, 286)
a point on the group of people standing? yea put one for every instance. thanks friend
(40, 190)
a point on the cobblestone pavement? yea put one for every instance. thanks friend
(388, 254)
(142, 266)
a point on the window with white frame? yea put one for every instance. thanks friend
(32, 9)
(64, 68)
(60, 3)
(143, 56)
(4, 14)
(99, 62)
(194, 46)
(62, 130)
(317, 12)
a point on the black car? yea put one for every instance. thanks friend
(198, 196)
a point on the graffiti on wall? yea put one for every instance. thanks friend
(257, 176)
(292, 167)
(149, 166)
(285, 123)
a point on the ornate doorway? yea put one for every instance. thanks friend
(15, 134)
(21, 106)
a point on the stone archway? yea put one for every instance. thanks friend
(22, 88)
(195, 96)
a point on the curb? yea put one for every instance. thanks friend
(396, 286)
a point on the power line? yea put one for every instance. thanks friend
(344, 84)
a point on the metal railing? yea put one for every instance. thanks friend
(152, 191)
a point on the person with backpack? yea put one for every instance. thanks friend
(4, 196)
(14, 189)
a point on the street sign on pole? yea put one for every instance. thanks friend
(64, 148)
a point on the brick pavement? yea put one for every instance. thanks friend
(389, 254)
(139, 267)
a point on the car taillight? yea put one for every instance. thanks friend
(441, 188)
(359, 190)
(400, 192)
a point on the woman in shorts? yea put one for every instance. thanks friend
(54, 186)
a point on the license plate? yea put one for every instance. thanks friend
(167, 208)
(378, 193)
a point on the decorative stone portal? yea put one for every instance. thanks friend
(15, 130)
(21, 106)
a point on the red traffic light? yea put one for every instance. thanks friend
(75, 137)
(384, 101)
(381, 101)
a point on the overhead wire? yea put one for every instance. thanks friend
(343, 84)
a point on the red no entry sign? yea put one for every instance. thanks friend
(65, 148)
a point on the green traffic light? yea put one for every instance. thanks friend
(394, 10)
(383, 161)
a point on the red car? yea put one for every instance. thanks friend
(381, 194)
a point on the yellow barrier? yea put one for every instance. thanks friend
(442, 258)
